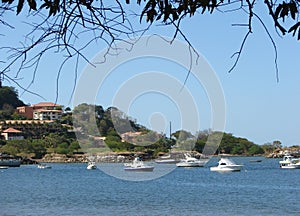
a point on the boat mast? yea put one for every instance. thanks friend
(170, 129)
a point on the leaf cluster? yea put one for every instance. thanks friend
(289, 9)
(169, 11)
(174, 10)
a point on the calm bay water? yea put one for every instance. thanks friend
(69, 189)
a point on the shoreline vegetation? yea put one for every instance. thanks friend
(90, 132)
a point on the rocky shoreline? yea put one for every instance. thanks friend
(98, 158)
(103, 158)
(84, 158)
(123, 157)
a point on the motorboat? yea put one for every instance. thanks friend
(91, 165)
(190, 161)
(226, 165)
(289, 162)
(256, 161)
(166, 159)
(9, 161)
(43, 166)
(138, 165)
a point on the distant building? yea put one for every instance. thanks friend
(26, 111)
(12, 134)
(47, 114)
(42, 111)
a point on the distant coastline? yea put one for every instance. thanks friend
(114, 157)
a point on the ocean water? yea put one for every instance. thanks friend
(69, 189)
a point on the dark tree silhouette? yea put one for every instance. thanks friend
(61, 24)
(9, 96)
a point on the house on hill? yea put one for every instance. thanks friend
(26, 111)
(42, 111)
(12, 134)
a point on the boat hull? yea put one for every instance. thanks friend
(166, 161)
(226, 169)
(290, 166)
(91, 166)
(43, 166)
(10, 162)
(184, 164)
(255, 161)
(3, 167)
(140, 169)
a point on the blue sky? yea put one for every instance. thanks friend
(257, 106)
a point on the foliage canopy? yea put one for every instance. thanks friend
(167, 11)
(59, 24)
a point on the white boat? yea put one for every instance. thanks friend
(138, 165)
(166, 159)
(43, 166)
(226, 165)
(190, 161)
(3, 167)
(289, 162)
(91, 165)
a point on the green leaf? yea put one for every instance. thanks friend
(285, 10)
(20, 6)
(167, 12)
(7, 1)
(151, 14)
(32, 4)
(174, 15)
(159, 16)
(293, 9)
(277, 11)
(294, 28)
(146, 8)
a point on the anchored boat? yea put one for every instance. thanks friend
(138, 165)
(190, 161)
(289, 162)
(91, 165)
(226, 165)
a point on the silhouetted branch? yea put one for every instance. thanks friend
(274, 46)
(239, 52)
(60, 25)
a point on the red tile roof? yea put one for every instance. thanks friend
(46, 104)
(11, 130)
(45, 110)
